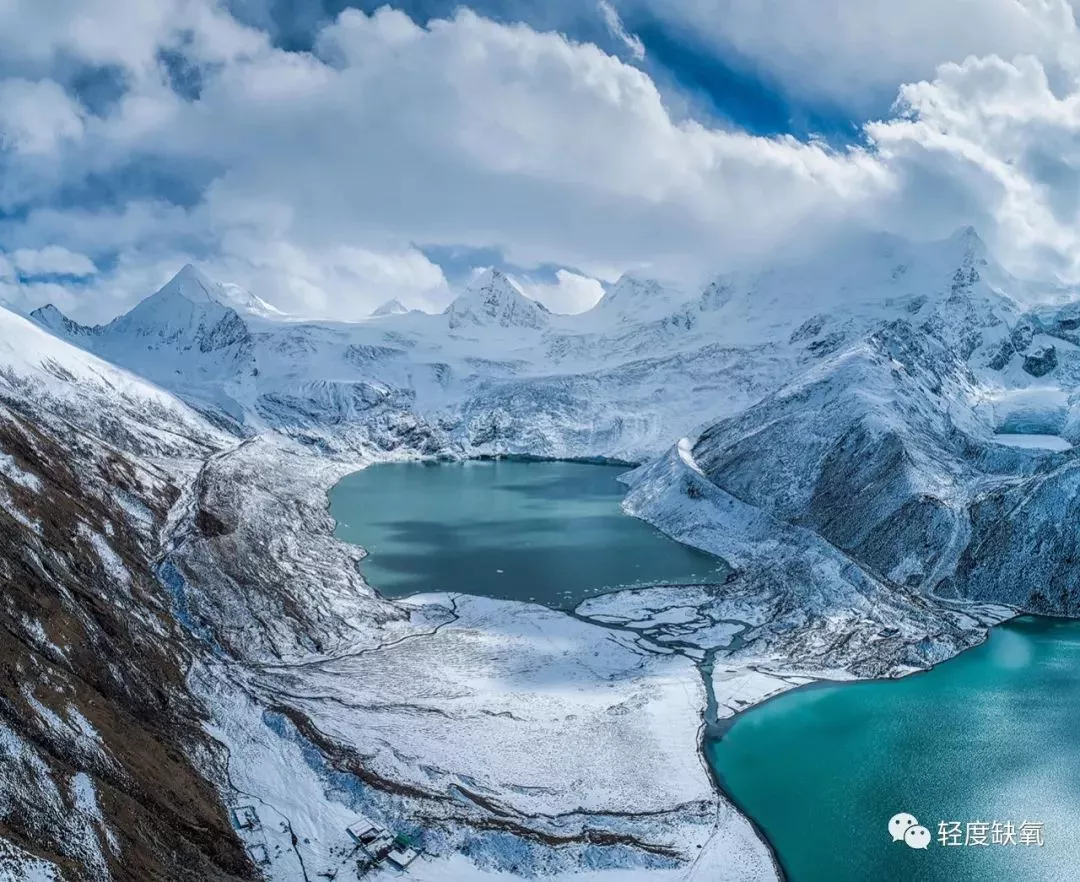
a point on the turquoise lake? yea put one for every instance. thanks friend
(991, 735)
(549, 532)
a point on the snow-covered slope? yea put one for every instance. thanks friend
(888, 451)
(854, 390)
(631, 300)
(187, 337)
(106, 772)
(42, 373)
(246, 303)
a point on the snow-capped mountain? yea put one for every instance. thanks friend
(632, 300)
(645, 361)
(188, 336)
(44, 373)
(246, 303)
(494, 299)
(392, 306)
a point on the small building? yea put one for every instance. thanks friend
(402, 855)
(380, 846)
(364, 831)
(373, 838)
(246, 817)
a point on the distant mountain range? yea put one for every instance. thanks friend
(646, 364)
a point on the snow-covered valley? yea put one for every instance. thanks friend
(832, 427)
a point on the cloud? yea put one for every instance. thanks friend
(340, 281)
(473, 133)
(992, 141)
(36, 118)
(618, 30)
(466, 132)
(570, 292)
(310, 177)
(127, 33)
(53, 260)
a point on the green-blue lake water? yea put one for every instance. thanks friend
(991, 735)
(550, 532)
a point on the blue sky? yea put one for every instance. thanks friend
(718, 81)
(331, 156)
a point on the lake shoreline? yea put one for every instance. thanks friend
(1018, 655)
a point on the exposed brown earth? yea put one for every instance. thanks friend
(90, 633)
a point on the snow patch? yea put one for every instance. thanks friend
(110, 560)
(1033, 442)
(10, 470)
(17, 865)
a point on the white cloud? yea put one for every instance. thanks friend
(618, 30)
(328, 168)
(37, 117)
(125, 33)
(339, 282)
(463, 133)
(570, 292)
(52, 260)
(472, 133)
(991, 141)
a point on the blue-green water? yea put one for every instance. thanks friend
(992, 735)
(551, 532)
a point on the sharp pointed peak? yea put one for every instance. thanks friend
(48, 311)
(494, 297)
(966, 233)
(51, 317)
(192, 284)
(968, 240)
(190, 271)
(393, 306)
(493, 278)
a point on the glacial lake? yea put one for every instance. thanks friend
(991, 735)
(549, 532)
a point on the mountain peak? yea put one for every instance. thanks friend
(391, 307)
(970, 242)
(494, 280)
(193, 285)
(631, 286)
(48, 315)
(494, 299)
(634, 297)
(52, 319)
(967, 234)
